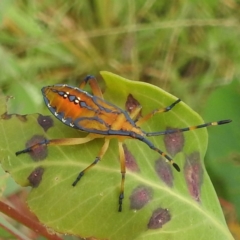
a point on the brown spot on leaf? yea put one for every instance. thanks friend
(36, 176)
(22, 118)
(164, 171)
(130, 160)
(6, 116)
(159, 217)
(174, 142)
(45, 122)
(39, 152)
(131, 105)
(140, 197)
(193, 173)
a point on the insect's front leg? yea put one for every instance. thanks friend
(97, 159)
(33, 147)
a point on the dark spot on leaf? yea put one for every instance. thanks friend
(36, 176)
(174, 142)
(131, 104)
(39, 152)
(22, 118)
(131, 163)
(193, 173)
(140, 197)
(159, 217)
(6, 116)
(45, 122)
(164, 171)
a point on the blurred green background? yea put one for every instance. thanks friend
(190, 49)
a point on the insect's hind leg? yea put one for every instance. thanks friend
(93, 84)
(159, 110)
(97, 159)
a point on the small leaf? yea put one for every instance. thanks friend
(152, 209)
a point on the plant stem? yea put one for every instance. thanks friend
(32, 224)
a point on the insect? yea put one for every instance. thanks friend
(101, 119)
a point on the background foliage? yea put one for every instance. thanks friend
(189, 49)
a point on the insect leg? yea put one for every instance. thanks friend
(151, 145)
(97, 159)
(60, 141)
(170, 131)
(159, 110)
(123, 172)
(93, 84)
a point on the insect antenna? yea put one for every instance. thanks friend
(170, 131)
(163, 154)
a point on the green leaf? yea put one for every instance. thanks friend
(159, 201)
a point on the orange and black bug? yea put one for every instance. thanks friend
(101, 119)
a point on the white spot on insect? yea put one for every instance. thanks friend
(65, 95)
(49, 105)
(79, 98)
(56, 114)
(76, 101)
(71, 125)
(64, 120)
